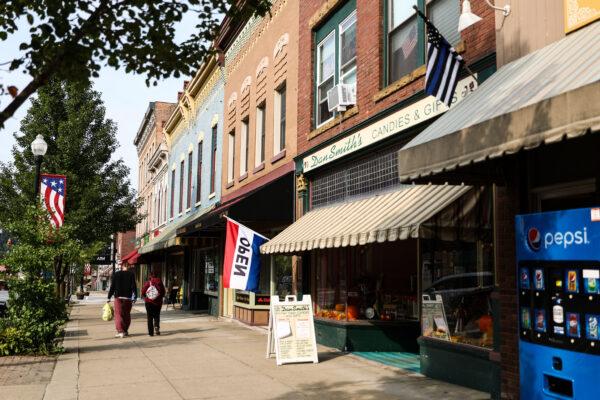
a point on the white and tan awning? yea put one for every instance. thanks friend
(387, 217)
(546, 96)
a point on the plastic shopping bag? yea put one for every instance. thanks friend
(107, 312)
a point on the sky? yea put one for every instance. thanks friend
(125, 97)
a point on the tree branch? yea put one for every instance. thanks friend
(45, 74)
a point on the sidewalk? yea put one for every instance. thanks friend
(199, 357)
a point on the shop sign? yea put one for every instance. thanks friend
(391, 125)
(262, 300)
(242, 298)
(579, 13)
(292, 330)
(433, 320)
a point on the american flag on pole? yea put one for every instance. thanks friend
(443, 65)
(53, 190)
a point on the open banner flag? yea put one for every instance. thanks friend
(53, 191)
(241, 263)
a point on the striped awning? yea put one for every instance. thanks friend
(391, 216)
(546, 96)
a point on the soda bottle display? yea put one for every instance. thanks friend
(525, 318)
(592, 285)
(539, 279)
(573, 324)
(572, 281)
(592, 328)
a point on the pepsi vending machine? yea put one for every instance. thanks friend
(558, 261)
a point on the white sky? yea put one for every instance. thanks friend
(125, 97)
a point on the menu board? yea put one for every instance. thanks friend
(292, 331)
(434, 322)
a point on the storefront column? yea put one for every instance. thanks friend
(507, 206)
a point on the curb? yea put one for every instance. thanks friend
(65, 377)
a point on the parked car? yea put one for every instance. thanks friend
(3, 298)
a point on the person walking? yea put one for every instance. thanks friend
(124, 289)
(153, 293)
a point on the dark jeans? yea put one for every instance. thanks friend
(153, 315)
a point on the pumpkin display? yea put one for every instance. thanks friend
(485, 323)
(352, 312)
(340, 307)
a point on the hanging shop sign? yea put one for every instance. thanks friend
(579, 13)
(434, 322)
(292, 331)
(391, 125)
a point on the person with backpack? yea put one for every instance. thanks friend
(124, 289)
(153, 292)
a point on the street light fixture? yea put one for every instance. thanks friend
(38, 148)
(467, 18)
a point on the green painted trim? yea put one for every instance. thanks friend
(485, 67)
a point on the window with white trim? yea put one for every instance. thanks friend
(259, 151)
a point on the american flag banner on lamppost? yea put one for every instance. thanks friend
(53, 191)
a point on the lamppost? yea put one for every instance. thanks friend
(38, 148)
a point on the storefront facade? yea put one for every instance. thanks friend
(369, 246)
(261, 70)
(534, 142)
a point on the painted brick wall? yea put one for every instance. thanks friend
(479, 41)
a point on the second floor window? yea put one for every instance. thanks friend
(259, 158)
(244, 148)
(189, 182)
(172, 213)
(230, 156)
(199, 174)
(213, 159)
(279, 120)
(335, 57)
(181, 171)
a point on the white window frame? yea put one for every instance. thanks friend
(244, 147)
(320, 82)
(260, 129)
(339, 51)
(230, 155)
(278, 147)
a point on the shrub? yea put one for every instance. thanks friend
(34, 320)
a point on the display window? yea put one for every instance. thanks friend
(375, 282)
(457, 265)
(282, 275)
(211, 273)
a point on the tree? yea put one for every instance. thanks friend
(99, 201)
(72, 39)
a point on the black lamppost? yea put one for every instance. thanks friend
(38, 148)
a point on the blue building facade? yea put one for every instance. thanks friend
(194, 135)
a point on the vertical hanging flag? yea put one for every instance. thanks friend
(443, 64)
(241, 263)
(53, 191)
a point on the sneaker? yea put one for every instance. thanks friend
(120, 335)
(126, 334)
(157, 332)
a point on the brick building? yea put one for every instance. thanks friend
(260, 113)
(367, 246)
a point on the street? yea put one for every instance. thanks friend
(200, 357)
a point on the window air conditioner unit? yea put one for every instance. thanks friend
(341, 96)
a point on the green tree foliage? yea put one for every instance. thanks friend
(35, 314)
(73, 39)
(81, 141)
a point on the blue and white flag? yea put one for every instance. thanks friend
(443, 65)
(241, 263)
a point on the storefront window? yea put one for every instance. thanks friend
(367, 282)
(282, 275)
(457, 265)
(211, 273)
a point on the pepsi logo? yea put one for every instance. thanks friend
(534, 239)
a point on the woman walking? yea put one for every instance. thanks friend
(153, 292)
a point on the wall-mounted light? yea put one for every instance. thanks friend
(467, 18)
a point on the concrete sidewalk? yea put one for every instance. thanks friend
(199, 357)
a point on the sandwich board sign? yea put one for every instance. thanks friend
(292, 331)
